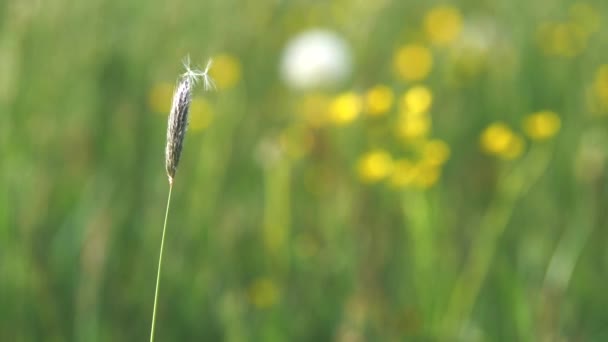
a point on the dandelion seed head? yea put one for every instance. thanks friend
(316, 59)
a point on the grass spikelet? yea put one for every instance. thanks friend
(176, 132)
(178, 117)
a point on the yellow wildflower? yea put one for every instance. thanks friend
(201, 114)
(375, 166)
(585, 16)
(498, 139)
(379, 100)
(226, 71)
(541, 125)
(404, 173)
(562, 39)
(417, 100)
(435, 152)
(600, 86)
(264, 293)
(413, 62)
(515, 148)
(427, 175)
(421, 175)
(414, 127)
(443, 24)
(345, 108)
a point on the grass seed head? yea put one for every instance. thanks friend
(178, 117)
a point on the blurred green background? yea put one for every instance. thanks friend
(448, 184)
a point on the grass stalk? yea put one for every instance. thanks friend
(160, 262)
(177, 126)
(513, 187)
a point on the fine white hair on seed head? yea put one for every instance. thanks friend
(194, 74)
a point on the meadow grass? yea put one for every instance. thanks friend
(450, 188)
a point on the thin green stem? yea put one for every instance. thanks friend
(514, 186)
(160, 261)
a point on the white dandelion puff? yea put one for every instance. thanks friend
(314, 59)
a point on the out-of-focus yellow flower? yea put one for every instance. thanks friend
(600, 86)
(375, 166)
(264, 293)
(160, 97)
(345, 108)
(541, 125)
(569, 40)
(427, 175)
(585, 16)
(435, 152)
(515, 149)
(413, 62)
(379, 100)
(421, 175)
(498, 139)
(416, 100)
(225, 71)
(443, 24)
(404, 173)
(562, 39)
(413, 127)
(201, 114)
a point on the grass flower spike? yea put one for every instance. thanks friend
(176, 132)
(178, 117)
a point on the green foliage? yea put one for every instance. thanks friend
(305, 215)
